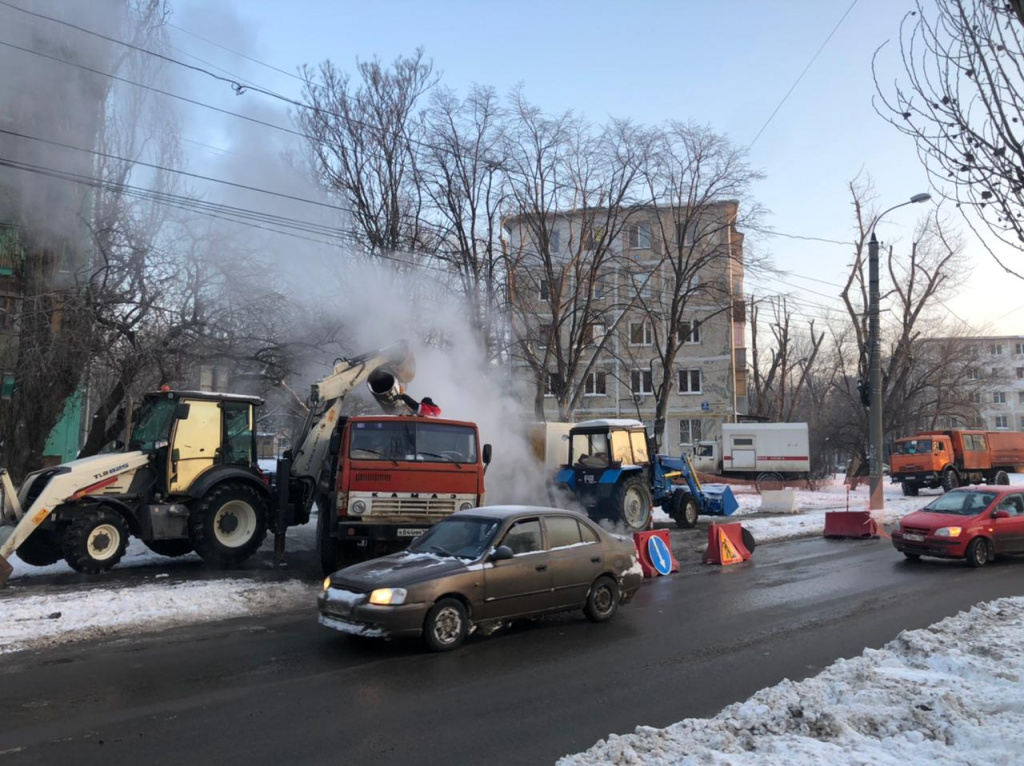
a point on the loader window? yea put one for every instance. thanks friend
(238, 439)
(590, 449)
(153, 423)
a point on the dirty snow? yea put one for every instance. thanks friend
(36, 622)
(952, 693)
(136, 555)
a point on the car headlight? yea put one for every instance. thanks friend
(388, 596)
(465, 506)
(949, 532)
(327, 583)
(358, 507)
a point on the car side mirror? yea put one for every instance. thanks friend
(502, 553)
(1000, 514)
(487, 454)
(181, 411)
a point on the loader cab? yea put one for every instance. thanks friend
(599, 445)
(189, 432)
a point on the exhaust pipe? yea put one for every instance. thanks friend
(386, 389)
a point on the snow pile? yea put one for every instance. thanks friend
(952, 693)
(36, 622)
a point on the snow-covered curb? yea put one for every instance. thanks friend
(36, 622)
(952, 693)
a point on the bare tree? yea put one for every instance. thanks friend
(962, 103)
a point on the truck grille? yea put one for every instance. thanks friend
(411, 506)
(381, 477)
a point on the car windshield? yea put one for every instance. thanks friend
(465, 537)
(153, 423)
(961, 502)
(913, 447)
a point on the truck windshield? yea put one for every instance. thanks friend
(961, 502)
(913, 447)
(464, 537)
(402, 441)
(153, 423)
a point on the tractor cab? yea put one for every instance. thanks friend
(189, 432)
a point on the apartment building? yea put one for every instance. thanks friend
(1000, 373)
(595, 296)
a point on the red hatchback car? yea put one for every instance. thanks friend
(976, 523)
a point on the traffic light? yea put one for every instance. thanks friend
(864, 388)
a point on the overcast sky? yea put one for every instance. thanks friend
(726, 63)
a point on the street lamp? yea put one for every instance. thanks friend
(875, 435)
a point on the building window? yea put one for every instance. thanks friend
(995, 349)
(595, 333)
(641, 382)
(595, 384)
(684, 233)
(999, 397)
(689, 382)
(1022, 422)
(689, 331)
(1002, 421)
(543, 335)
(639, 236)
(552, 384)
(555, 240)
(972, 373)
(7, 312)
(976, 398)
(641, 334)
(689, 431)
(1019, 348)
(1020, 372)
(1020, 397)
(545, 290)
(7, 386)
(602, 287)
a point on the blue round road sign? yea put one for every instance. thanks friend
(660, 556)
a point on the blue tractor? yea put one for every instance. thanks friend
(613, 475)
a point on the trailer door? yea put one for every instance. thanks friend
(744, 456)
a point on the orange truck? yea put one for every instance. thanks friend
(949, 459)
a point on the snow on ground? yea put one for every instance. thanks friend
(952, 693)
(136, 555)
(36, 622)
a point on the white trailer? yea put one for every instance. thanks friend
(550, 443)
(754, 450)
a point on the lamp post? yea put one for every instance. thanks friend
(875, 435)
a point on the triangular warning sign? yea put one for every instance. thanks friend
(727, 551)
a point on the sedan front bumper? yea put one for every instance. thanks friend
(339, 611)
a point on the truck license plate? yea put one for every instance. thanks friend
(405, 532)
(913, 538)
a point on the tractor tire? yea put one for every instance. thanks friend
(683, 510)
(910, 489)
(94, 541)
(40, 549)
(328, 547)
(631, 504)
(950, 480)
(229, 523)
(170, 548)
(1001, 477)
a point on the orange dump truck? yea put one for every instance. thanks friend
(948, 459)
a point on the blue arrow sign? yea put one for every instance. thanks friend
(659, 554)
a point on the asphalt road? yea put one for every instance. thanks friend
(283, 690)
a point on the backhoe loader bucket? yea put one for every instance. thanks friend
(720, 499)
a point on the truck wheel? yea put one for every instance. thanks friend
(950, 480)
(632, 504)
(1001, 477)
(683, 510)
(326, 545)
(602, 601)
(446, 626)
(170, 548)
(94, 541)
(228, 524)
(977, 552)
(40, 549)
(769, 480)
(910, 489)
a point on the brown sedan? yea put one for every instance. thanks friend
(480, 568)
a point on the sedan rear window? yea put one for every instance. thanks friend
(961, 503)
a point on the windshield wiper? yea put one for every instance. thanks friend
(377, 452)
(449, 458)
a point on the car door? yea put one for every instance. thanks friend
(1008, 533)
(575, 558)
(520, 585)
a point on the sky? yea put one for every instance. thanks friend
(727, 64)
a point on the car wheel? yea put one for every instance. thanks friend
(603, 600)
(913, 558)
(1001, 477)
(446, 626)
(950, 480)
(910, 489)
(978, 552)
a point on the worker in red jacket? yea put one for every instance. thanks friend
(424, 407)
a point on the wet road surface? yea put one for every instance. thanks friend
(281, 689)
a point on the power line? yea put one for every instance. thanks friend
(237, 53)
(798, 79)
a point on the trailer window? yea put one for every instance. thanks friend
(437, 442)
(386, 440)
(737, 442)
